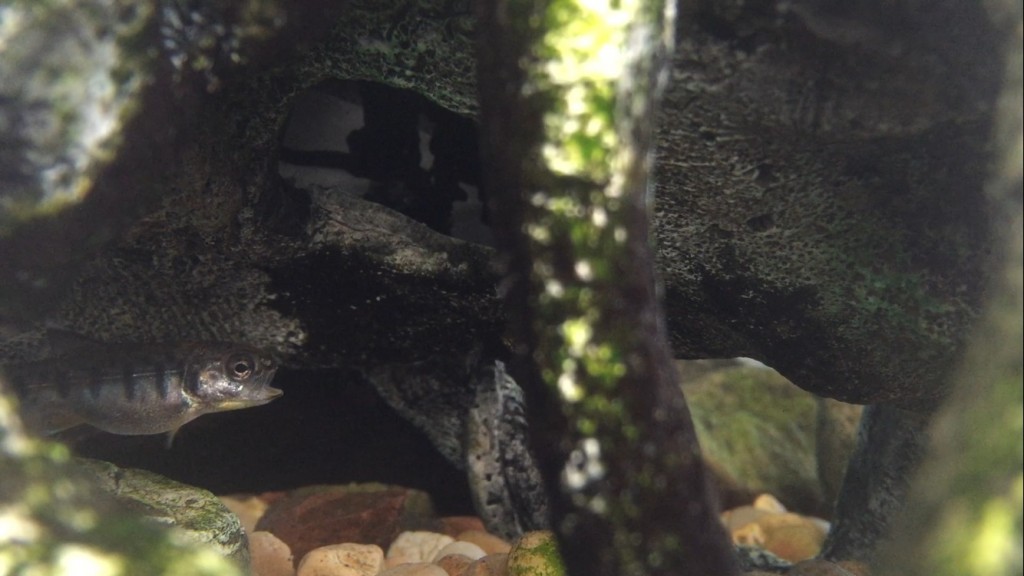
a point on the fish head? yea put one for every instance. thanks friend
(230, 377)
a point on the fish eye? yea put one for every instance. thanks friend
(240, 367)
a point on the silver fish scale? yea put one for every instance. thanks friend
(125, 390)
(139, 389)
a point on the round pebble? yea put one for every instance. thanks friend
(488, 542)
(270, 556)
(490, 565)
(769, 503)
(536, 553)
(249, 509)
(342, 560)
(411, 547)
(455, 564)
(458, 547)
(415, 569)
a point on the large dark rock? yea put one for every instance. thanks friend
(817, 204)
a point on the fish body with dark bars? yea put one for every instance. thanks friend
(135, 389)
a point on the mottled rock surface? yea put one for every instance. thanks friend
(760, 433)
(197, 513)
(58, 521)
(316, 516)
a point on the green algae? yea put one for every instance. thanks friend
(54, 523)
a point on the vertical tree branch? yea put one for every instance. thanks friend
(568, 98)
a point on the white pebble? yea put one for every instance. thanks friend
(416, 547)
(457, 547)
(342, 560)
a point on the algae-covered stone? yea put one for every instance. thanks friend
(760, 433)
(536, 554)
(69, 85)
(200, 516)
(52, 522)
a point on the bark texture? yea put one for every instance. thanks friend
(569, 94)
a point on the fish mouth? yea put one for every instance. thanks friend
(259, 398)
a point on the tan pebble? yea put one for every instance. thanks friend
(342, 560)
(416, 547)
(249, 509)
(457, 547)
(791, 536)
(768, 503)
(749, 535)
(455, 564)
(415, 569)
(490, 565)
(739, 517)
(818, 567)
(490, 543)
(270, 556)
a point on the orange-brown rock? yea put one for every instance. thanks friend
(789, 536)
(317, 516)
(455, 564)
(455, 525)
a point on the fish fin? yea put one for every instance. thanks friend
(77, 434)
(48, 421)
(170, 436)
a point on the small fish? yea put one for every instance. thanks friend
(140, 389)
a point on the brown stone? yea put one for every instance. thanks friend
(342, 560)
(490, 565)
(490, 543)
(317, 516)
(455, 525)
(270, 556)
(792, 537)
(455, 564)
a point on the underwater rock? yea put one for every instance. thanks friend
(760, 433)
(342, 560)
(467, 549)
(456, 526)
(58, 136)
(535, 554)
(488, 542)
(248, 508)
(59, 521)
(270, 556)
(200, 516)
(415, 569)
(835, 440)
(416, 547)
(316, 516)
(454, 564)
